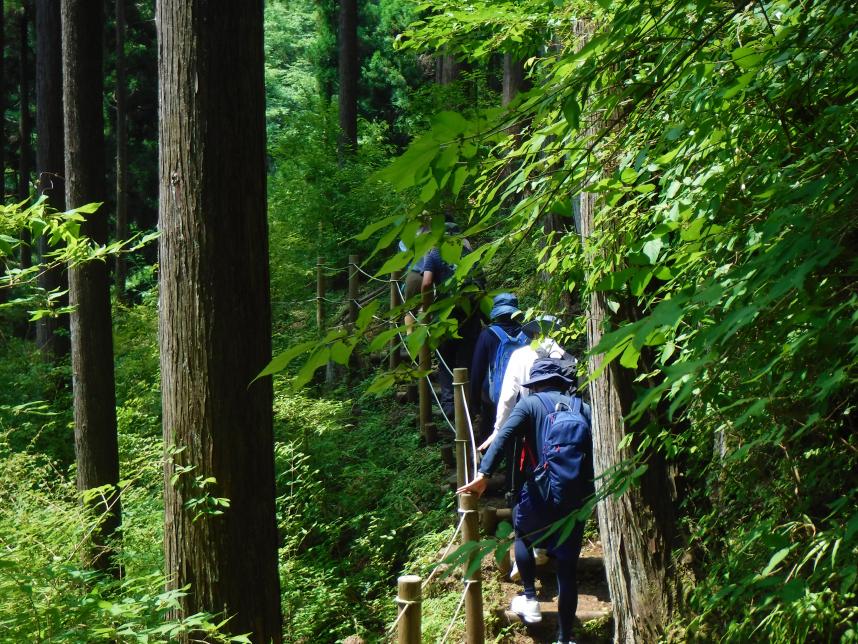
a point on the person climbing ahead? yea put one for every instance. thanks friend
(495, 344)
(557, 445)
(453, 351)
(539, 331)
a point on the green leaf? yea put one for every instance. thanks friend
(459, 177)
(628, 175)
(449, 124)
(370, 229)
(280, 362)
(652, 248)
(746, 57)
(630, 357)
(572, 111)
(779, 556)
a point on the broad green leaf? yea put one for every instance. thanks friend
(281, 361)
(779, 556)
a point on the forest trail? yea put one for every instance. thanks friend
(593, 596)
(593, 599)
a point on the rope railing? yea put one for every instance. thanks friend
(408, 597)
(461, 603)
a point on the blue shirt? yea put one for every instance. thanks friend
(432, 262)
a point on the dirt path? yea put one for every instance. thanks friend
(594, 607)
(593, 602)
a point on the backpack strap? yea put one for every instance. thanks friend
(499, 333)
(545, 403)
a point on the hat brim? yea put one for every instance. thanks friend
(545, 377)
(503, 309)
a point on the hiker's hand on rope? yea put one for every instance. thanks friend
(477, 486)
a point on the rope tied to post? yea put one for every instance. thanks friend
(468, 583)
(404, 604)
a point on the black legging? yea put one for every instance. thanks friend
(567, 578)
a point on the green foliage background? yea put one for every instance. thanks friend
(719, 142)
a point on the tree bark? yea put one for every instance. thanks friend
(25, 126)
(52, 333)
(215, 319)
(638, 528)
(4, 295)
(96, 447)
(446, 69)
(349, 71)
(513, 79)
(2, 110)
(121, 150)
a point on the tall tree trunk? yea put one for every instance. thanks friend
(2, 109)
(121, 150)
(25, 127)
(638, 528)
(446, 69)
(4, 296)
(52, 333)
(215, 318)
(349, 70)
(513, 79)
(91, 332)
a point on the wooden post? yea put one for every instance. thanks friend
(395, 301)
(320, 295)
(431, 433)
(447, 456)
(463, 447)
(474, 626)
(489, 526)
(354, 285)
(488, 520)
(408, 599)
(425, 366)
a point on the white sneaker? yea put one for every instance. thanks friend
(514, 574)
(540, 556)
(528, 609)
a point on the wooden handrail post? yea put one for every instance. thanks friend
(354, 286)
(463, 444)
(489, 526)
(430, 431)
(425, 366)
(409, 601)
(395, 276)
(475, 632)
(320, 295)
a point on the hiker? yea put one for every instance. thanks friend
(455, 351)
(519, 365)
(413, 278)
(557, 446)
(495, 344)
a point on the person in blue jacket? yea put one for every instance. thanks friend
(455, 351)
(503, 314)
(553, 378)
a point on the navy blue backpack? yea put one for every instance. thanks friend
(563, 477)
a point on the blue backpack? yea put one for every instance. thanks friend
(563, 477)
(507, 344)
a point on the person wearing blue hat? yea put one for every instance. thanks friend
(529, 423)
(502, 334)
(540, 345)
